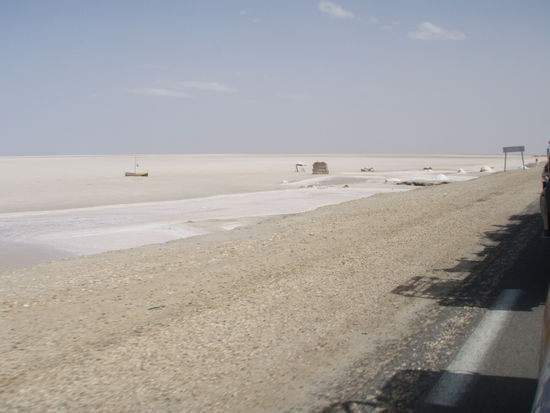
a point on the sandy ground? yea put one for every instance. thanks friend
(47, 211)
(262, 318)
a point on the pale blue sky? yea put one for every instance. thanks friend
(349, 76)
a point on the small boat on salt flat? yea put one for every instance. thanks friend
(136, 173)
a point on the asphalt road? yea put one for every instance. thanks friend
(505, 377)
(487, 363)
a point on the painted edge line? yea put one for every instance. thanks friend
(459, 375)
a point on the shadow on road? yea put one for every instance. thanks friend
(513, 258)
(405, 391)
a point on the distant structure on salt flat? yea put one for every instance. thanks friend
(320, 168)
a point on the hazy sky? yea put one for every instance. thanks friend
(273, 76)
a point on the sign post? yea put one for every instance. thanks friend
(507, 149)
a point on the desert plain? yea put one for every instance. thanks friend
(227, 283)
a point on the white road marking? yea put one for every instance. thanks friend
(459, 375)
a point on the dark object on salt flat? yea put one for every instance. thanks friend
(320, 168)
(422, 183)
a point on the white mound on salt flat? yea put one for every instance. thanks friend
(420, 176)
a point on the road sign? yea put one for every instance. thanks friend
(513, 149)
(507, 149)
